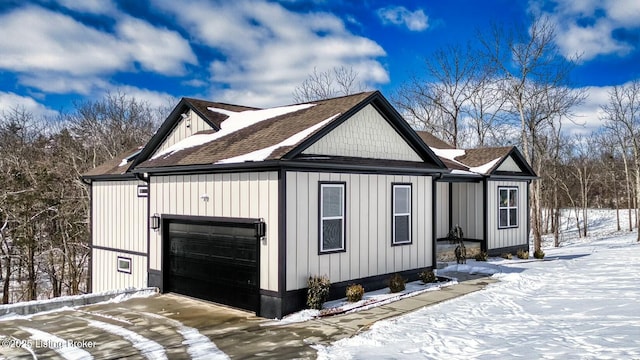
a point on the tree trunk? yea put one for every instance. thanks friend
(7, 280)
(615, 194)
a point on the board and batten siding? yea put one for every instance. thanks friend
(119, 221)
(243, 195)
(185, 128)
(502, 238)
(105, 274)
(442, 209)
(366, 134)
(367, 228)
(466, 206)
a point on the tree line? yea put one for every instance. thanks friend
(513, 87)
(44, 205)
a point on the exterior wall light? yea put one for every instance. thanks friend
(154, 222)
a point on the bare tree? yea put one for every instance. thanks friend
(338, 81)
(538, 91)
(622, 117)
(438, 102)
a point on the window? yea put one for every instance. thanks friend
(507, 207)
(401, 203)
(124, 265)
(332, 207)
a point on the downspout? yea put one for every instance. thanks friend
(434, 242)
(88, 183)
(484, 245)
(146, 179)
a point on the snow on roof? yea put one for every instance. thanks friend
(452, 154)
(483, 169)
(262, 154)
(235, 122)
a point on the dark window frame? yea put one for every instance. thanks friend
(394, 215)
(128, 260)
(508, 208)
(321, 185)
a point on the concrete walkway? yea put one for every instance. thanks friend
(177, 327)
(339, 327)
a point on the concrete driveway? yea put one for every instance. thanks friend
(169, 326)
(155, 327)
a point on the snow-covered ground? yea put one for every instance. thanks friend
(581, 303)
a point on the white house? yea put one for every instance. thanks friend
(240, 205)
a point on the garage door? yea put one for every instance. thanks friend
(216, 261)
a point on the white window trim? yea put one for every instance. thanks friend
(126, 260)
(397, 214)
(508, 208)
(322, 218)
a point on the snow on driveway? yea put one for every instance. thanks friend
(581, 303)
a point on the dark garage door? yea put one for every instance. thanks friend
(214, 261)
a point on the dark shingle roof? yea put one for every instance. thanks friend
(112, 167)
(433, 141)
(216, 118)
(481, 156)
(261, 135)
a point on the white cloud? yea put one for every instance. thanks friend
(9, 100)
(90, 6)
(587, 27)
(55, 83)
(38, 43)
(157, 50)
(400, 15)
(267, 50)
(155, 99)
(588, 115)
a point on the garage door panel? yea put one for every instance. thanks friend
(214, 262)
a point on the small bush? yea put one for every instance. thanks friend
(318, 291)
(522, 254)
(355, 292)
(507, 256)
(396, 283)
(538, 254)
(428, 276)
(482, 256)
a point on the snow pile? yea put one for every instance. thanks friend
(580, 302)
(236, 121)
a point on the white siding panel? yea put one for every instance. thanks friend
(499, 238)
(509, 165)
(467, 208)
(366, 134)
(184, 129)
(368, 228)
(250, 195)
(119, 216)
(442, 209)
(105, 275)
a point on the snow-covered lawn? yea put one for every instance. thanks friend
(581, 303)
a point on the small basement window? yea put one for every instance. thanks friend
(124, 264)
(332, 196)
(401, 221)
(507, 207)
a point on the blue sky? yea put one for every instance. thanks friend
(54, 52)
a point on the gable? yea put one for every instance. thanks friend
(186, 127)
(509, 165)
(366, 134)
